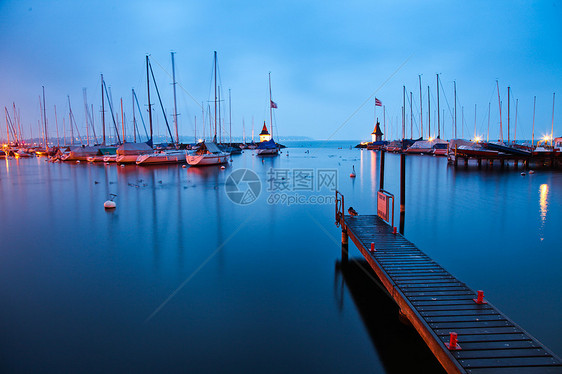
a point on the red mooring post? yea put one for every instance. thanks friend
(480, 298)
(453, 342)
(373, 247)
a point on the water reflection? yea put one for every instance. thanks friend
(543, 200)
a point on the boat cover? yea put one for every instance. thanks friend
(133, 149)
(270, 144)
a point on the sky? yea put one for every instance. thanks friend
(328, 61)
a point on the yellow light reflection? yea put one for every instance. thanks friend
(543, 200)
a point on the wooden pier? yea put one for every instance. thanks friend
(437, 304)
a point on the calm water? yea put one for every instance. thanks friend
(180, 279)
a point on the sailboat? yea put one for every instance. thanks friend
(167, 156)
(130, 152)
(267, 146)
(209, 153)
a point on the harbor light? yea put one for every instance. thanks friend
(478, 139)
(430, 139)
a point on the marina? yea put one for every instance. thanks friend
(171, 174)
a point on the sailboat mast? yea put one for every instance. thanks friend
(230, 117)
(455, 90)
(552, 126)
(488, 132)
(411, 118)
(122, 121)
(149, 108)
(270, 107)
(243, 131)
(134, 119)
(421, 109)
(533, 133)
(438, 117)
(515, 129)
(384, 120)
(474, 121)
(102, 110)
(428, 114)
(508, 113)
(45, 120)
(215, 68)
(195, 132)
(175, 104)
(220, 123)
(57, 126)
(500, 105)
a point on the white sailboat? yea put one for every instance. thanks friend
(209, 153)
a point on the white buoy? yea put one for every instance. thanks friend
(109, 204)
(107, 163)
(77, 161)
(352, 175)
(222, 167)
(523, 173)
(184, 166)
(122, 165)
(531, 172)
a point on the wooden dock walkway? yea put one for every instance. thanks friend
(436, 304)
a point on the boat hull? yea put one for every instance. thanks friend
(268, 152)
(207, 159)
(161, 158)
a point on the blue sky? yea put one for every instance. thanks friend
(326, 59)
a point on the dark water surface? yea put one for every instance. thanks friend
(180, 279)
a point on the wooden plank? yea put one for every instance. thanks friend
(459, 326)
(466, 318)
(487, 338)
(460, 307)
(478, 331)
(518, 370)
(454, 313)
(508, 362)
(504, 344)
(501, 353)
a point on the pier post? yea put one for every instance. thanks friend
(516, 164)
(344, 246)
(402, 191)
(381, 178)
(479, 160)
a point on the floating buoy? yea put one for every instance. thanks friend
(184, 166)
(107, 163)
(77, 161)
(523, 173)
(110, 204)
(122, 165)
(352, 175)
(222, 167)
(531, 172)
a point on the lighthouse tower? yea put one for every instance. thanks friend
(376, 135)
(264, 134)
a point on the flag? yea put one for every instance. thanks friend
(378, 102)
(273, 104)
